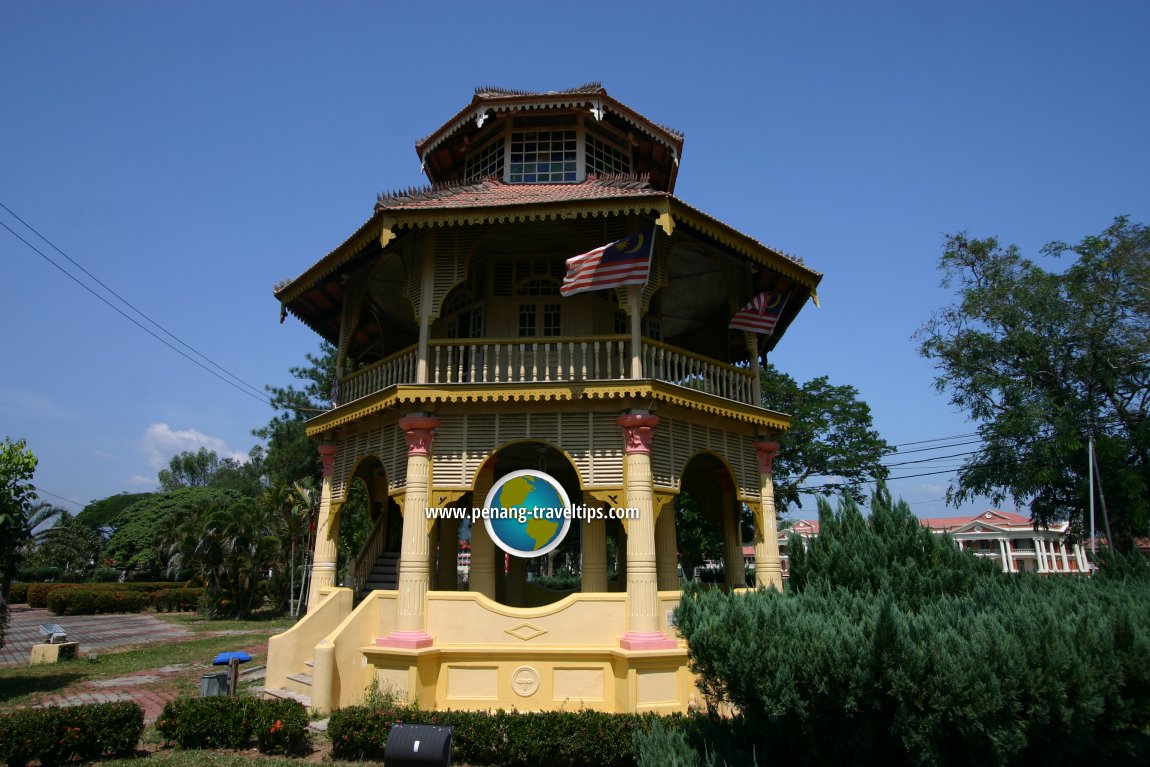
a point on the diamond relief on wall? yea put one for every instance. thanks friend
(526, 631)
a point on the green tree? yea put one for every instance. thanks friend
(134, 546)
(100, 515)
(1043, 360)
(289, 508)
(62, 540)
(697, 540)
(224, 540)
(831, 436)
(291, 456)
(17, 465)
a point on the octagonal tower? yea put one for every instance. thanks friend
(462, 358)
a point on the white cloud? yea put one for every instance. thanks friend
(29, 403)
(139, 480)
(160, 442)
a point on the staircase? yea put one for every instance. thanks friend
(297, 686)
(384, 574)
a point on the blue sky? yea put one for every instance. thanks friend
(191, 155)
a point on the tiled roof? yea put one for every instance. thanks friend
(491, 193)
(998, 518)
(505, 98)
(487, 91)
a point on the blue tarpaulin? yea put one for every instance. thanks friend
(225, 658)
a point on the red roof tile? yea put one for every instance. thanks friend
(493, 193)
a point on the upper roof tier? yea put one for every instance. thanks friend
(556, 137)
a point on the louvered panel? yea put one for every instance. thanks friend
(341, 472)
(738, 282)
(394, 457)
(663, 455)
(447, 465)
(413, 274)
(683, 450)
(544, 426)
(658, 278)
(606, 451)
(451, 250)
(480, 442)
(576, 440)
(746, 465)
(511, 427)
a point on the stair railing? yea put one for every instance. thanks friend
(361, 569)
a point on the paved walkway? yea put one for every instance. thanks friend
(98, 632)
(93, 632)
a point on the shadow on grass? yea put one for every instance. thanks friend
(18, 686)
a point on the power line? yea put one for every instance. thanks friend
(132, 306)
(253, 391)
(41, 490)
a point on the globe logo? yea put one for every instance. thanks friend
(528, 513)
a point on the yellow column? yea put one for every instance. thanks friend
(410, 629)
(768, 567)
(667, 549)
(326, 533)
(734, 572)
(593, 546)
(482, 575)
(642, 584)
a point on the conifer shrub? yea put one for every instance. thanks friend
(893, 646)
(57, 735)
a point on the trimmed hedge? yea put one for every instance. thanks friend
(177, 600)
(505, 738)
(38, 592)
(84, 600)
(56, 735)
(277, 726)
(17, 593)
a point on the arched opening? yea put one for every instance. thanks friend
(369, 526)
(711, 527)
(531, 581)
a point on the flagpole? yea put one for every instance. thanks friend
(1090, 471)
(634, 296)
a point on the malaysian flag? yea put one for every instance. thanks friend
(761, 314)
(623, 262)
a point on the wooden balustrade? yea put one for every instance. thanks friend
(676, 366)
(558, 360)
(528, 361)
(361, 569)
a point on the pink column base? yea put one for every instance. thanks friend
(409, 640)
(647, 640)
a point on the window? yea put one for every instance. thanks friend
(548, 150)
(489, 162)
(603, 158)
(543, 156)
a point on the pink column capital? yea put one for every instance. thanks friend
(418, 431)
(327, 458)
(638, 431)
(768, 452)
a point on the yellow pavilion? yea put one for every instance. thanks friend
(460, 361)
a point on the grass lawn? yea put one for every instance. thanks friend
(17, 683)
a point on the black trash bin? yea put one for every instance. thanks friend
(413, 745)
